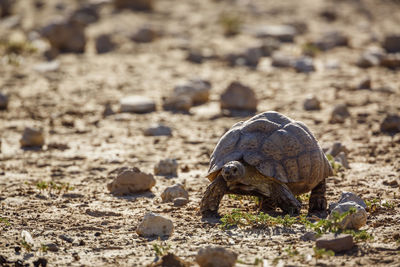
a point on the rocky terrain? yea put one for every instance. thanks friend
(110, 110)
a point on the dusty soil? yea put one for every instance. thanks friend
(84, 149)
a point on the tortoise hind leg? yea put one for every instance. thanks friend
(286, 200)
(212, 197)
(317, 201)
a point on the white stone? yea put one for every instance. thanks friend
(158, 130)
(351, 221)
(155, 225)
(173, 192)
(349, 196)
(137, 104)
(131, 180)
(32, 138)
(198, 90)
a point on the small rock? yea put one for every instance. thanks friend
(351, 221)
(177, 103)
(337, 243)
(198, 90)
(280, 60)
(145, 34)
(329, 15)
(32, 138)
(336, 148)
(47, 66)
(349, 196)
(40, 262)
(170, 260)
(137, 104)
(131, 180)
(391, 124)
(158, 130)
(238, 97)
(3, 101)
(66, 238)
(65, 36)
(86, 14)
(216, 257)
(372, 57)
(143, 5)
(331, 40)
(342, 159)
(312, 103)
(52, 247)
(283, 33)
(304, 64)
(364, 84)
(339, 114)
(166, 167)
(195, 56)
(180, 201)
(391, 61)
(300, 26)
(155, 225)
(309, 236)
(173, 192)
(27, 237)
(108, 111)
(104, 44)
(6, 7)
(392, 43)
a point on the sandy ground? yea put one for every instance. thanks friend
(68, 105)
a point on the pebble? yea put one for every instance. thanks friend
(197, 89)
(3, 101)
(312, 103)
(391, 123)
(104, 44)
(351, 221)
(177, 103)
(155, 225)
(170, 260)
(391, 61)
(52, 247)
(331, 40)
(108, 111)
(137, 104)
(65, 36)
(27, 237)
(144, 5)
(342, 159)
(173, 192)
(283, 33)
(372, 57)
(364, 84)
(281, 60)
(6, 7)
(304, 64)
(391, 43)
(86, 14)
(180, 201)
(336, 148)
(308, 236)
(337, 243)
(49, 66)
(32, 138)
(166, 167)
(349, 196)
(131, 180)
(339, 114)
(216, 257)
(238, 97)
(158, 130)
(195, 56)
(145, 34)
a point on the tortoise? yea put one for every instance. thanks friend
(270, 156)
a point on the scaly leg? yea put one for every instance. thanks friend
(212, 197)
(317, 199)
(285, 199)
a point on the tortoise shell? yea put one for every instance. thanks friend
(276, 146)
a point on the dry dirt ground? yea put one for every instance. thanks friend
(83, 148)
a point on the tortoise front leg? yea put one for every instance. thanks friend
(212, 197)
(317, 199)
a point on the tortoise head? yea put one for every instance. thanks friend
(233, 171)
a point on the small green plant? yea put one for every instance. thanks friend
(4, 221)
(53, 187)
(310, 49)
(26, 245)
(319, 253)
(161, 249)
(43, 248)
(230, 23)
(376, 204)
(336, 166)
(303, 197)
(241, 198)
(292, 251)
